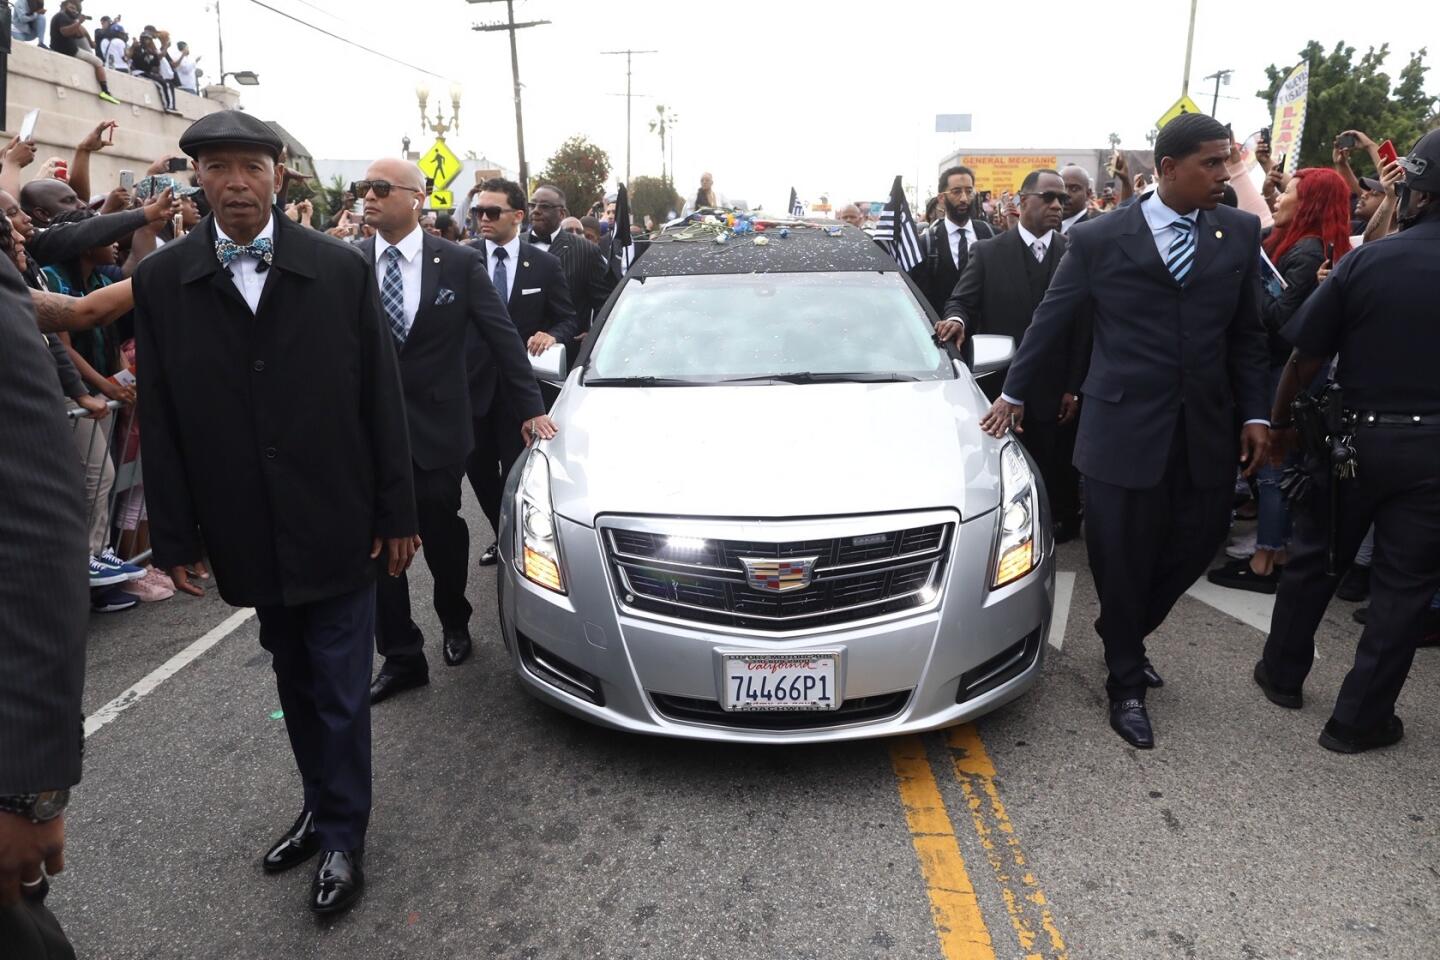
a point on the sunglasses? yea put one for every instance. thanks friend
(542, 205)
(492, 213)
(382, 188)
(1049, 196)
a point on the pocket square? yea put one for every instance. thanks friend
(525, 292)
(443, 296)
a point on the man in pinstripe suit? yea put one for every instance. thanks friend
(43, 612)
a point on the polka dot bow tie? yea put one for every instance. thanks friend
(228, 250)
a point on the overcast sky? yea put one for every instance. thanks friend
(769, 93)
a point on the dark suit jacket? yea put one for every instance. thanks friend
(547, 306)
(995, 296)
(43, 594)
(936, 274)
(274, 441)
(586, 273)
(1159, 349)
(457, 302)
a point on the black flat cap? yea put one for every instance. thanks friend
(230, 127)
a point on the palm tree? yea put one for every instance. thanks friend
(664, 120)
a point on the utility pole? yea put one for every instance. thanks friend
(510, 26)
(220, 41)
(628, 96)
(1218, 76)
(1189, 44)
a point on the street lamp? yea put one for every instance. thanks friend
(246, 78)
(438, 124)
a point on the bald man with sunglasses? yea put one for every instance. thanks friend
(435, 295)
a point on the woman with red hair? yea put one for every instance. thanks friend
(1312, 226)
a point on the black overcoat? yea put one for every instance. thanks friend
(275, 442)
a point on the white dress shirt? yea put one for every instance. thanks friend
(1030, 240)
(512, 262)
(1161, 220)
(953, 231)
(1069, 222)
(249, 281)
(411, 263)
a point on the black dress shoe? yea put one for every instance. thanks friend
(491, 554)
(386, 685)
(1290, 699)
(1129, 719)
(297, 846)
(1066, 530)
(457, 645)
(1343, 738)
(339, 881)
(1153, 680)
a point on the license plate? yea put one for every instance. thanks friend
(785, 681)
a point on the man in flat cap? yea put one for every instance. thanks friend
(275, 444)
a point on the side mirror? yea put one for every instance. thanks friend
(992, 352)
(550, 365)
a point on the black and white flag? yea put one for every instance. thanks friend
(895, 230)
(797, 209)
(624, 248)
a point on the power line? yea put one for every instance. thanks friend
(358, 46)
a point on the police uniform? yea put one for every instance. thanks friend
(1377, 311)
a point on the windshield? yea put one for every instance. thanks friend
(811, 327)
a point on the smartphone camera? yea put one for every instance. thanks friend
(178, 165)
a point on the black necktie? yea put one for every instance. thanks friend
(539, 238)
(960, 250)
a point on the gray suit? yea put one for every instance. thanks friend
(43, 590)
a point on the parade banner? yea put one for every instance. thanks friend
(1288, 125)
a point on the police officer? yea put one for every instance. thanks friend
(1377, 310)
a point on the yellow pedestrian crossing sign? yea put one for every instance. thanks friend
(1183, 105)
(442, 200)
(440, 164)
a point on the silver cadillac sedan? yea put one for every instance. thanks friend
(771, 515)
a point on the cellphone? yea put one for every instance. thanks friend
(1387, 154)
(1346, 141)
(178, 165)
(27, 126)
(1330, 253)
(1280, 163)
(127, 179)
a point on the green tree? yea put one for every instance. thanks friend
(1346, 94)
(580, 169)
(653, 197)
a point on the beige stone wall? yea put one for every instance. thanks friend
(65, 91)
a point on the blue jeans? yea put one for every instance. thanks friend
(23, 26)
(1272, 529)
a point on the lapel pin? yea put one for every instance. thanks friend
(437, 259)
(525, 263)
(1219, 234)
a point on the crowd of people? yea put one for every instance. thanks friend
(1161, 342)
(108, 48)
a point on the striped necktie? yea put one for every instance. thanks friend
(1182, 250)
(392, 295)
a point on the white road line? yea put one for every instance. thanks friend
(1244, 605)
(1060, 619)
(165, 671)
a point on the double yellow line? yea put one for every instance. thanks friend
(954, 905)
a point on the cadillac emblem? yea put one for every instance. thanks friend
(779, 576)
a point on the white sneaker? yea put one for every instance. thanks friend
(1241, 547)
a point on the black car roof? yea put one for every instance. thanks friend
(820, 246)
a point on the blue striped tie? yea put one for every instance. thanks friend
(392, 295)
(1182, 250)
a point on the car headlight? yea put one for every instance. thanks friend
(1015, 548)
(537, 551)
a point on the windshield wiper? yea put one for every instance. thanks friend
(640, 382)
(808, 377)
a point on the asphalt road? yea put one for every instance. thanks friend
(505, 829)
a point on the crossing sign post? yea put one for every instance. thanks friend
(440, 164)
(442, 200)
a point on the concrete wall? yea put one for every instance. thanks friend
(65, 91)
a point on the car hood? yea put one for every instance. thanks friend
(801, 450)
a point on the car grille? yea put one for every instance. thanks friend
(704, 581)
(859, 710)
